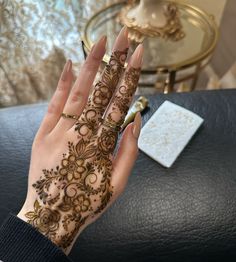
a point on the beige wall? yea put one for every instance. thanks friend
(214, 7)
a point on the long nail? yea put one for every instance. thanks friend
(66, 70)
(137, 57)
(98, 49)
(122, 41)
(137, 125)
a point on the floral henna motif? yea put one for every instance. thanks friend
(123, 97)
(72, 167)
(104, 89)
(107, 142)
(44, 219)
(81, 203)
(83, 179)
(101, 95)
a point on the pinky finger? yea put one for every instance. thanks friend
(126, 156)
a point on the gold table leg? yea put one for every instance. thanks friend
(196, 76)
(170, 82)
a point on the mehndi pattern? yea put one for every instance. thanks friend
(83, 178)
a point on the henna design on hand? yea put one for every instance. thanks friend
(101, 95)
(123, 97)
(83, 178)
(45, 219)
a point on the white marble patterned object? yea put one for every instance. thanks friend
(167, 132)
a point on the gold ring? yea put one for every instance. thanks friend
(75, 117)
(111, 124)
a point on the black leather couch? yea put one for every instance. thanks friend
(186, 213)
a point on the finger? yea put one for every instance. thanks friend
(126, 156)
(58, 100)
(123, 96)
(104, 89)
(80, 91)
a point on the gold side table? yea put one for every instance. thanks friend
(166, 63)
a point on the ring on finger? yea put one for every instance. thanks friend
(111, 124)
(75, 117)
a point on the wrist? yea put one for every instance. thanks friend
(50, 223)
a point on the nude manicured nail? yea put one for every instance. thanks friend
(122, 41)
(98, 49)
(125, 31)
(66, 70)
(137, 57)
(137, 125)
(92, 48)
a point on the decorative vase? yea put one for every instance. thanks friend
(152, 18)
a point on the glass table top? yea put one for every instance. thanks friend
(200, 39)
(37, 37)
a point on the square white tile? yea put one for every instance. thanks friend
(167, 132)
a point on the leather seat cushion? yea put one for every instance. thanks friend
(185, 213)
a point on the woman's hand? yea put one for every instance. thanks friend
(74, 175)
